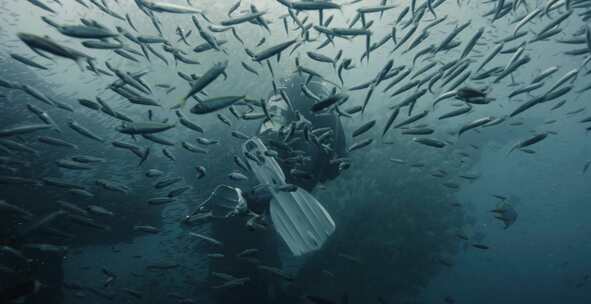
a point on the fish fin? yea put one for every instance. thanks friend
(80, 62)
(512, 149)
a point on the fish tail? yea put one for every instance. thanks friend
(512, 149)
(50, 22)
(181, 104)
(80, 63)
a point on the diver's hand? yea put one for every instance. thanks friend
(258, 198)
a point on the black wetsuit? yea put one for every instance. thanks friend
(320, 165)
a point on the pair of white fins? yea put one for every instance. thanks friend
(300, 220)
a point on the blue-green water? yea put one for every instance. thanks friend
(413, 221)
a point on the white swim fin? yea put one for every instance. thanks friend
(301, 221)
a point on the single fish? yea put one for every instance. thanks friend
(206, 238)
(215, 104)
(20, 130)
(165, 7)
(361, 144)
(530, 141)
(430, 142)
(475, 124)
(148, 127)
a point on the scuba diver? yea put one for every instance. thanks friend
(310, 148)
(294, 151)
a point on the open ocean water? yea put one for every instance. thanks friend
(423, 151)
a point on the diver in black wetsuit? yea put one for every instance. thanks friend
(306, 159)
(310, 149)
